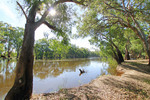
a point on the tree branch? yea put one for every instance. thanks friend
(140, 31)
(22, 10)
(49, 26)
(114, 8)
(53, 6)
(124, 6)
(133, 28)
(52, 27)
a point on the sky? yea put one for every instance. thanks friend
(10, 15)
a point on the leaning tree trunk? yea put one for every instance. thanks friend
(115, 56)
(22, 88)
(119, 54)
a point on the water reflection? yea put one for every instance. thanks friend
(52, 75)
(55, 68)
(7, 71)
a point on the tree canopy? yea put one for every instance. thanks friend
(103, 17)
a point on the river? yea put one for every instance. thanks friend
(52, 75)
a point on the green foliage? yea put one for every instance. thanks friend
(11, 39)
(136, 48)
(1, 48)
(55, 49)
(61, 22)
(109, 21)
(112, 66)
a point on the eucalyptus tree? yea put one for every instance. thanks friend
(59, 49)
(22, 88)
(136, 48)
(104, 34)
(11, 38)
(128, 34)
(109, 42)
(132, 14)
(43, 49)
(7, 35)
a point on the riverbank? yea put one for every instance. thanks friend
(132, 82)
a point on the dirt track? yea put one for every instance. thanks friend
(133, 83)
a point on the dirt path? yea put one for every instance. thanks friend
(133, 83)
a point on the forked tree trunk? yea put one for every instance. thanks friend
(22, 88)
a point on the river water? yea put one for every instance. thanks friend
(52, 75)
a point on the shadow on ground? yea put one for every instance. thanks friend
(138, 66)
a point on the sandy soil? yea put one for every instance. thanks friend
(132, 83)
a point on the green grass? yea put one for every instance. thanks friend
(147, 81)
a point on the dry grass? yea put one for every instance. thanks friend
(133, 83)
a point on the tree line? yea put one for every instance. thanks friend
(12, 38)
(54, 49)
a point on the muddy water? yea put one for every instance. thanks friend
(52, 75)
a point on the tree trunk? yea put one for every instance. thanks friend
(148, 50)
(22, 88)
(149, 60)
(148, 53)
(115, 56)
(119, 54)
(18, 53)
(127, 56)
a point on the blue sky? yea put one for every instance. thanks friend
(10, 15)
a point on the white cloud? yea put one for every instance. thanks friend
(7, 11)
(83, 43)
(39, 32)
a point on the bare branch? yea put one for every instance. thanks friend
(22, 10)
